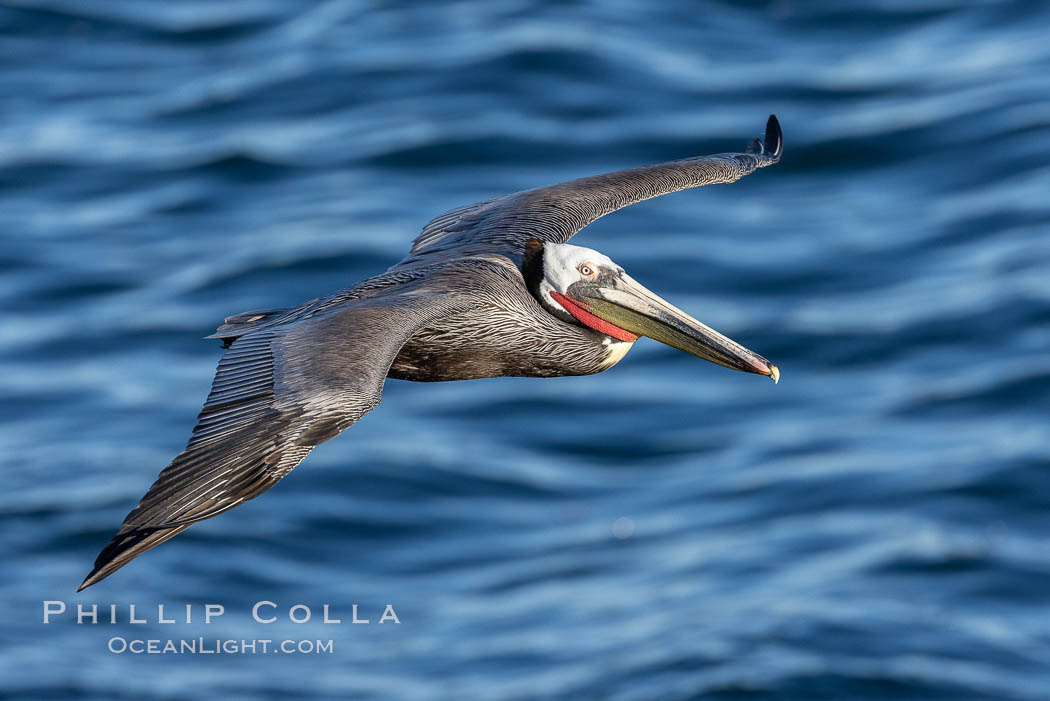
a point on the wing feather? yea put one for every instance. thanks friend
(557, 212)
(278, 392)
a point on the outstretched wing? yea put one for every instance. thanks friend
(557, 212)
(278, 392)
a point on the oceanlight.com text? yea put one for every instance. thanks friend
(217, 646)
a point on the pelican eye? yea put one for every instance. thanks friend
(588, 270)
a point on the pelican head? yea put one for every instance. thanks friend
(580, 285)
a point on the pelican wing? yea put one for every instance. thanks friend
(279, 391)
(557, 212)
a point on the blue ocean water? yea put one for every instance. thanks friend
(874, 527)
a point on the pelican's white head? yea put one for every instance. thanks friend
(582, 286)
(565, 264)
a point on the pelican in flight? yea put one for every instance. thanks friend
(488, 290)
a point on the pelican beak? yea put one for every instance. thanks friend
(619, 299)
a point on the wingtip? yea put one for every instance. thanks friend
(126, 545)
(97, 574)
(773, 144)
(88, 581)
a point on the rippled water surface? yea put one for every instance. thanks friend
(874, 527)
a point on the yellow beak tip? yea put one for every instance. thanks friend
(774, 372)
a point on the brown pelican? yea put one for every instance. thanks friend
(490, 289)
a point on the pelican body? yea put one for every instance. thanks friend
(491, 289)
